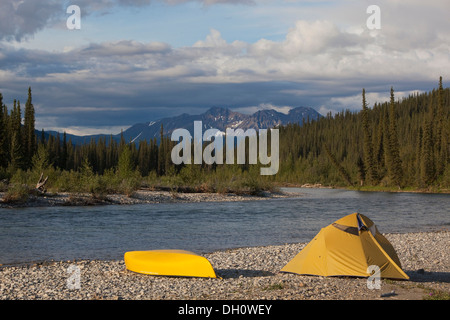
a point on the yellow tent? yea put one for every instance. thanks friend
(348, 247)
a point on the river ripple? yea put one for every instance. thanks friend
(107, 232)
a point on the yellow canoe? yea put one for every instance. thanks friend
(169, 263)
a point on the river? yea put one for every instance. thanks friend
(107, 232)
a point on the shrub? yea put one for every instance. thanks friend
(17, 193)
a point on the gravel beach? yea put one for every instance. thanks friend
(246, 274)
(138, 197)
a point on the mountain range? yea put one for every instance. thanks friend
(216, 117)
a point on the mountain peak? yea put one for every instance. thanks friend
(217, 110)
(222, 118)
(216, 117)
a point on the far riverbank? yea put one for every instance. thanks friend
(146, 196)
(368, 188)
(137, 197)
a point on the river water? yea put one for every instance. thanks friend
(107, 232)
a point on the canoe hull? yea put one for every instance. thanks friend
(169, 263)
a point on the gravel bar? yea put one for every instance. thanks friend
(138, 197)
(245, 274)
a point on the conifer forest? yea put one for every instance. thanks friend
(400, 144)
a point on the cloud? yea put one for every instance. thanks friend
(212, 2)
(21, 19)
(112, 84)
(125, 48)
(83, 131)
(354, 102)
(317, 62)
(316, 37)
(315, 51)
(264, 106)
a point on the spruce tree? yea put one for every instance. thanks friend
(40, 161)
(63, 159)
(16, 149)
(343, 173)
(125, 166)
(143, 158)
(427, 162)
(441, 139)
(3, 135)
(43, 136)
(101, 155)
(418, 162)
(110, 153)
(361, 170)
(379, 147)
(395, 165)
(161, 154)
(29, 137)
(17, 159)
(7, 136)
(367, 145)
(153, 155)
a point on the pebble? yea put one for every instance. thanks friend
(246, 273)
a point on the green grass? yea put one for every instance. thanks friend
(275, 286)
(437, 295)
(431, 189)
(188, 179)
(17, 193)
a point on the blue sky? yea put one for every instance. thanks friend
(139, 60)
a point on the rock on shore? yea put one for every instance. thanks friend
(246, 273)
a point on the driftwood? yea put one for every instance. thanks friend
(41, 183)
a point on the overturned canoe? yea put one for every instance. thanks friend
(169, 263)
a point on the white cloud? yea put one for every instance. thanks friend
(311, 37)
(21, 19)
(354, 102)
(125, 48)
(264, 106)
(85, 131)
(323, 62)
(311, 51)
(214, 39)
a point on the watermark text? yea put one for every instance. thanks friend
(73, 281)
(373, 281)
(74, 20)
(214, 151)
(374, 20)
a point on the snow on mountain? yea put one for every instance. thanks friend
(216, 117)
